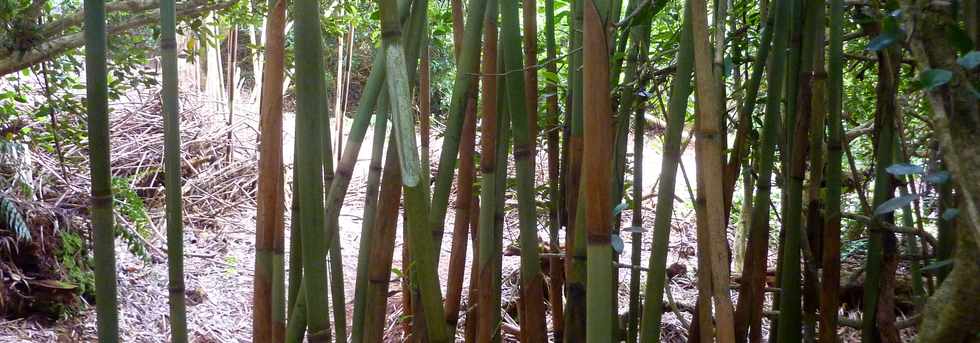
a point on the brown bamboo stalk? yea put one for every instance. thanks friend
(268, 323)
(597, 171)
(382, 248)
(464, 216)
(488, 310)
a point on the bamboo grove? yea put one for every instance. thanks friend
(765, 115)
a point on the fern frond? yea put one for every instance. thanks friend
(14, 220)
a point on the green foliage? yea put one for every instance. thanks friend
(894, 204)
(14, 221)
(970, 60)
(932, 78)
(851, 247)
(76, 263)
(131, 207)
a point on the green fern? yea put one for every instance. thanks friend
(14, 220)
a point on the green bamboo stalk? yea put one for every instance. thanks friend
(790, 309)
(97, 106)
(639, 36)
(815, 221)
(636, 237)
(753, 276)
(463, 88)
(295, 250)
(740, 153)
(945, 230)
(334, 256)
(309, 165)
(296, 326)
(912, 246)
(489, 239)
(831, 236)
(747, 108)
(362, 119)
(171, 128)
(676, 112)
(575, 311)
(533, 329)
(365, 255)
(556, 270)
(465, 217)
(425, 285)
(344, 171)
(885, 128)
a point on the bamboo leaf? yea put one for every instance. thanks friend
(937, 178)
(932, 78)
(617, 243)
(619, 208)
(937, 265)
(950, 214)
(883, 40)
(901, 169)
(895, 203)
(970, 60)
(959, 38)
(634, 229)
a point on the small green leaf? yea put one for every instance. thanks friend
(883, 40)
(937, 178)
(617, 243)
(970, 60)
(938, 264)
(951, 213)
(619, 208)
(900, 169)
(895, 203)
(634, 229)
(959, 38)
(932, 78)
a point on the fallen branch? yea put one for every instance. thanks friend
(893, 228)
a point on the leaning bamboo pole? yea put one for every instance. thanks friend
(463, 89)
(382, 247)
(171, 128)
(268, 315)
(425, 285)
(465, 216)
(676, 111)
(97, 106)
(365, 256)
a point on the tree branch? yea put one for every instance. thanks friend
(15, 61)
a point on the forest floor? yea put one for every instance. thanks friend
(219, 200)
